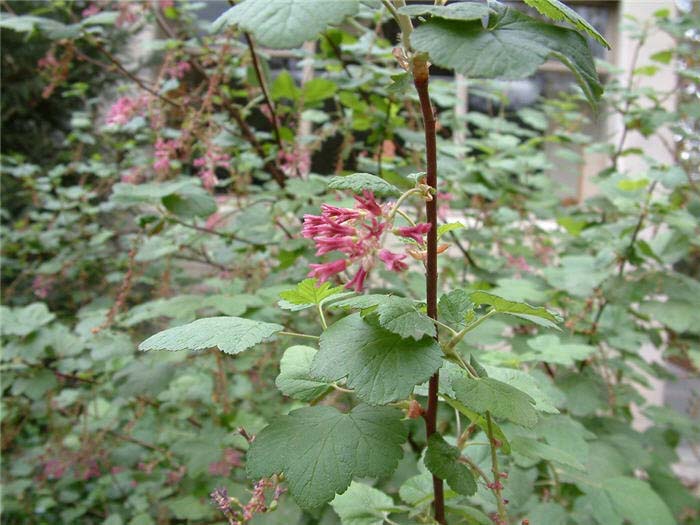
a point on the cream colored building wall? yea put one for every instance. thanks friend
(623, 55)
(624, 52)
(665, 80)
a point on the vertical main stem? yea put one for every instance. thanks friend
(420, 79)
(497, 489)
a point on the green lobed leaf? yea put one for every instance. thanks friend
(184, 197)
(231, 335)
(284, 87)
(286, 23)
(456, 11)
(472, 515)
(294, 379)
(448, 227)
(24, 320)
(441, 458)
(579, 275)
(532, 448)
(28, 23)
(544, 393)
(500, 399)
(550, 349)
(320, 450)
(359, 182)
(636, 502)
(453, 308)
(379, 365)
(560, 12)
(535, 314)
(317, 90)
(307, 293)
(362, 505)
(512, 46)
(363, 302)
(401, 317)
(417, 490)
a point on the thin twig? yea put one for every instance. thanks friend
(263, 87)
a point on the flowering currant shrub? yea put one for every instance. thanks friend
(344, 312)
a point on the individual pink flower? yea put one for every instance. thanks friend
(393, 261)
(325, 271)
(414, 232)
(367, 202)
(357, 283)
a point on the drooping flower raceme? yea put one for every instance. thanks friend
(358, 234)
(164, 151)
(207, 165)
(124, 109)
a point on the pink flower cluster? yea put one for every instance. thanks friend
(91, 10)
(128, 11)
(124, 109)
(207, 165)
(518, 263)
(42, 285)
(358, 234)
(179, 70)
(231, 459)
(132, 176)
(164, 151)
(295, 163)
(256, 505)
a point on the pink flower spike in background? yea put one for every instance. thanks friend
(123, 110)
(414, 232)
(164, 150)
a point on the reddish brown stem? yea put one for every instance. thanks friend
(420, 79)
(265, 92)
